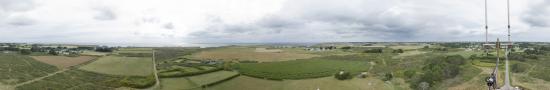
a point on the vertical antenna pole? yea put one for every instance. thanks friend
(508, 12)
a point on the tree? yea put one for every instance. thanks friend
(378, 50)
(104, 49)
(26, 51)
(426, 47)
(398, 51)
(346, 47)
(53, 52)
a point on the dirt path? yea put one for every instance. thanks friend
(157, 84)
(40, 78)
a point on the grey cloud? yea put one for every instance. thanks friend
(537, 14)
(168, 26)
(20, 21)
(105, 13)
(354, 20)
(16, 5)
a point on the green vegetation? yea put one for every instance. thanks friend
(169, 53)
(342, 75)
(440, 68)
(307, 68)
(116, 65)
(135, 52)
(17, 68)
(85, 80)
(324, 83)
(198, 81)
(519, 67)
(250, 53)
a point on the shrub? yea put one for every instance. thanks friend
(168, 74)
(342, 75)
(388, 77)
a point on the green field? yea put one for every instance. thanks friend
(195, 81)
(299, 69)
(116, 65)
(135, 52)
(17, 68)
(85, 80)
(248, 53)
(326, 83)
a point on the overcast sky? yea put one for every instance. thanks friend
(175, 22)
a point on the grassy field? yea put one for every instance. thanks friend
(116, 65)
(63, 61)
(16, 68)
(308, 68)
(94, 53)
(135, 52)
(247, 53)
(410, 53)
(195, 81)
(411, 47)
(326, 83)
(84, 80)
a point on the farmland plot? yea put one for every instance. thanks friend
(18, 68)
(299, 69)
(84, 80)
(63, 61)
(325, 83)
(116, 65)
(193, 82)
(243, 53)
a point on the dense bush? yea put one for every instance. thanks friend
(25, 51)
(440, 68)
(387, 77)
(220, 81)
(377, 50)
(182, 74)
(398, 51)
(342, 75)
(346, 48)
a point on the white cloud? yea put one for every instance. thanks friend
(173, 22)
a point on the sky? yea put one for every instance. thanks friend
(178, 22)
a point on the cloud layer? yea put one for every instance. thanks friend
(175, 22)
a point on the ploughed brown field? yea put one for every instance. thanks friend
(63, 61)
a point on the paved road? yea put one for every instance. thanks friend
(507, 85)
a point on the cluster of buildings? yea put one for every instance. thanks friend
(57, 49)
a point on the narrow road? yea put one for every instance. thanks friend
(157, 81)
(507, 85)
(157, 85)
